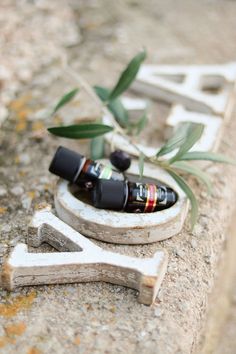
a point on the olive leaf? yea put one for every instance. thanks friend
(97, 148)
(193, 134)
(127, 76)
(176, 140)
(141, 124)
(102, 93)
(209, 156)
(115, 106)
(195, 171)
(190, 194)
(135, 128)
(65, 99)
(81, 131)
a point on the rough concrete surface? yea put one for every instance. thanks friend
(227, 343)
(103, 36)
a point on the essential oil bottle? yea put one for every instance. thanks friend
(132, 196)
(75, 168)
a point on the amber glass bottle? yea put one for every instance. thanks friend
(132, 197)
(77, 169)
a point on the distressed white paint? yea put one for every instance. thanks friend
(131, 104)
(84, 262)
(121, 227)
(185, 84)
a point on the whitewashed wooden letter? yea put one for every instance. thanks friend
(85, 261)
(188, 85)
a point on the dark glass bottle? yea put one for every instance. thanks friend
(77, 169)
(132, 197)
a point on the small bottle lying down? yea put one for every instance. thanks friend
(77, 169)
(110, 189)
(132, 197)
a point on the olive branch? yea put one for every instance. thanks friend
(174, 156)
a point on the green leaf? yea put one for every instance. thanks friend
(193, 134)
(141, 124)
(81, 131)
(119, 112)
(141, 165)
(115, 107)
(188, 191)
(175, 141)
(102, 93)
(97, 148)
(136, 128)
(195, 171)
(209, 156)
(128, 75)
(65, 99)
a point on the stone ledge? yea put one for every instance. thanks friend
(215, 334)
(100, 317)
(177, 319)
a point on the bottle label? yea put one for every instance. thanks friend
(142, 197)
(147, 198)
(94, 170)
(151, 199)
(105, 172)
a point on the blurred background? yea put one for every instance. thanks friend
(43, 43)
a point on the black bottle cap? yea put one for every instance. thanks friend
(108, 194)
(66, 164)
